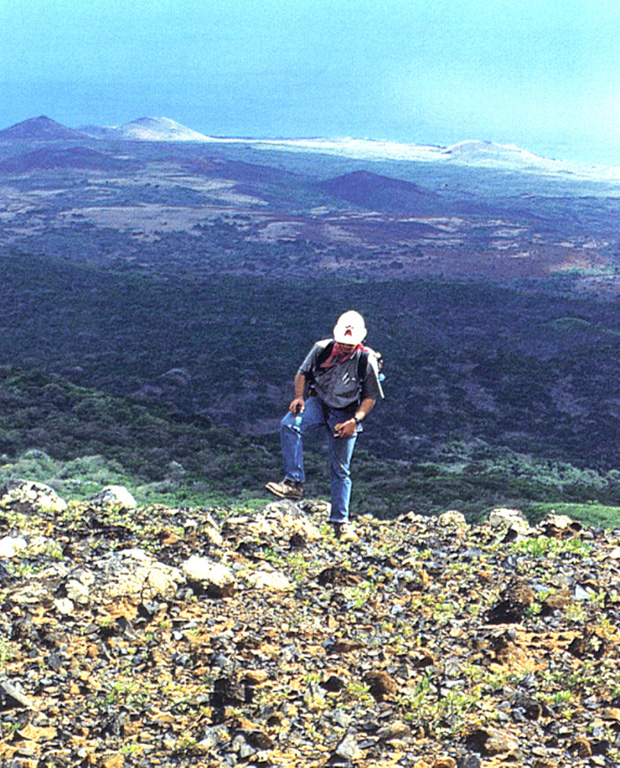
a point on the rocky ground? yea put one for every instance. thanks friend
(177, 637)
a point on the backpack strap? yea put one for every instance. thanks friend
(323, 355)
(362, 366)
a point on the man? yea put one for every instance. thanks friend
(336, 387)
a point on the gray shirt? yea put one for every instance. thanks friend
(337, 386)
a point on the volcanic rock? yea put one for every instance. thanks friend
(381, 685)
(349, 749)
(491, 741)
(421, 644)
(133, 574)
(11, 697)
(581, 747)
(514, 601)
(270, 580)
(394, 731)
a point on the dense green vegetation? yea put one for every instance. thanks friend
(76, 438)
(536, 373)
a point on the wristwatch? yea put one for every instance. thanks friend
(356, 420)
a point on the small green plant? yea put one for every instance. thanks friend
(273, 557)
(125, 691)
(24, 569)
(421, 693)
(606, 630)
(534, 609)
(446, 710)
(298, 564)
(6, 651)
(598, 598)
(581, 681)
(548, 547)
(314, 700)
(357, 690)
(443, 610)
(575, 612)
(185, 743)
(130, 748)
(613, 756)
(55, 551)
(312, 732)
(361, 593)
(562, 697)
(405, 638)
(10, 728)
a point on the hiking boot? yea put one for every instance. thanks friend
(287, 489)
(344, 531)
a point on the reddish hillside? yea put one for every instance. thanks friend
(237, 170)
(373, 191)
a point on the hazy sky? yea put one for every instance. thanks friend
(542, 74)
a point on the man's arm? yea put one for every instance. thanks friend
(347, 428)
(298, 403)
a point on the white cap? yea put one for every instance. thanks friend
(350, 328)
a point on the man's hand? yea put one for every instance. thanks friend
(345, 428)
(297, 405)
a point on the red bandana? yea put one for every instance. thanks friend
(339, 355)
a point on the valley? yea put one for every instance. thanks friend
(194, 276)
(235, 209)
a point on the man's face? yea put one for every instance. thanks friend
(347, 347)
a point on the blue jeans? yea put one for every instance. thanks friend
(317, 416)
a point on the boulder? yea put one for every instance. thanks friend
(284, 519)
(64, 606)
(269, 579)
(382, 686)
(114, 496)
(25, 495)
(560, 527)
(216, 578)
(77, 587)
(208, 530)
(280, 520)
(11, 545)
(394, 731)
(130, 573)
(453, 518)
(511, 519)
(11, 697)
(349, 750)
